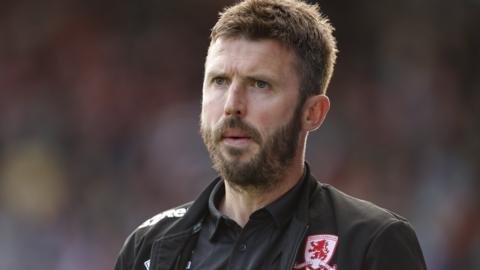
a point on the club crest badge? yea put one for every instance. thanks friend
(319, 251)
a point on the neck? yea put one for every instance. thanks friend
(239, 203)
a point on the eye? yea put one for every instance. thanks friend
(219, 81)
(261, 84)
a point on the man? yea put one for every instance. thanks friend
(267, 70)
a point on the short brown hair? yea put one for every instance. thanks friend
(294, 24)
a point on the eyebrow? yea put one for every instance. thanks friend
(263, 76)
(214, 74)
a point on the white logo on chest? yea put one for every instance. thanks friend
(179, 212)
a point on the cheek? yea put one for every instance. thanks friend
(212, 110)
(275, 117)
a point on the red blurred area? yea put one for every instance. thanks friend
(99, 106)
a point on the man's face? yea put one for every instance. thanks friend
(250, 119)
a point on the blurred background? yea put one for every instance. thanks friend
(99, 108)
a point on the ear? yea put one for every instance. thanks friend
(314, 112)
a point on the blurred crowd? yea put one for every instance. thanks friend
(99, 109)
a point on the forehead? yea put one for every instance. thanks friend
(242, 55)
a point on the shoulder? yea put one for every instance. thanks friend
(139, 242)
(386, 239)
(181, 219)
(356, 220)
(350, 211)
(161, 222)
(168, 215)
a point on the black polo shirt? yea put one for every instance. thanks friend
(223, 244)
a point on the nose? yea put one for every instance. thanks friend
(235, 104)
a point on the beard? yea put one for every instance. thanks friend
(267, 167)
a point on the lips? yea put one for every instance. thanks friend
(235, 134)
(236, 138)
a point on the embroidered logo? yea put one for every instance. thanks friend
(319, 251)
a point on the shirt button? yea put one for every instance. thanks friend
(243, 247)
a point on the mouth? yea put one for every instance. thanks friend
(236, 138)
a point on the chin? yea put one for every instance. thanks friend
(239, 156)
(237, 160)
(244, 151)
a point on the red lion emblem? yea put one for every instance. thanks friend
(319, 249)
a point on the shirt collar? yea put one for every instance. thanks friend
(216, 217)
(281, 210)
